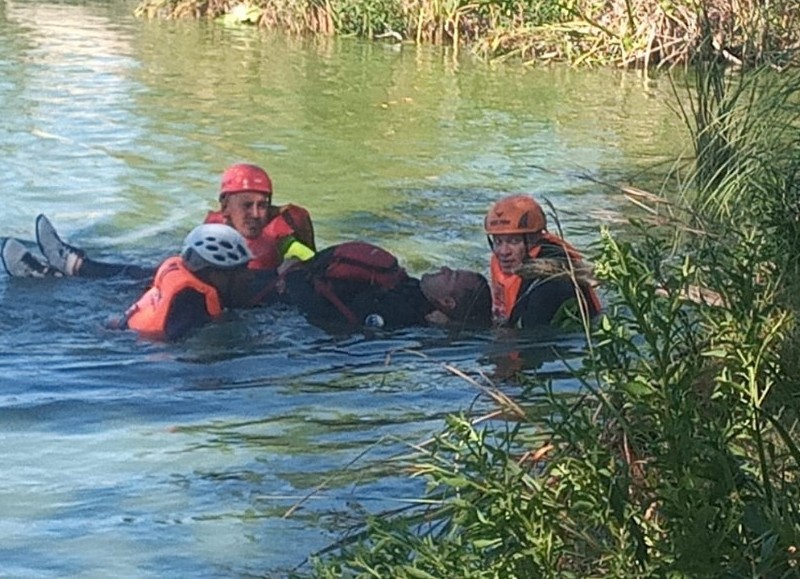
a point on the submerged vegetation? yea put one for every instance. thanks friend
(679, 455)
(630, 33)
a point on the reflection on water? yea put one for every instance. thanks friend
(127, 458)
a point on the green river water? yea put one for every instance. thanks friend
(132, 459)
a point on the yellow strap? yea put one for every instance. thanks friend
(297, 250)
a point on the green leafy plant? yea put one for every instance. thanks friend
(678, 455)
(645, 33)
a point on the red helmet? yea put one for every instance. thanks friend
(245, 178)
(514, 215)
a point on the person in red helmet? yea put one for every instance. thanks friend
(273, 233)
(535, 276)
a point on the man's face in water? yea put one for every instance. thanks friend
(248, 213)
(445, 287)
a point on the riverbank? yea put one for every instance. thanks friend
(626, 33)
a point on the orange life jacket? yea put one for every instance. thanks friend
(299, 219)
(285, 221)
(148, 316)
(506, 286)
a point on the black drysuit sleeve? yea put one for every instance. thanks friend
(187, 312)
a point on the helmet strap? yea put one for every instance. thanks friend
(531, 240)
(528, 239)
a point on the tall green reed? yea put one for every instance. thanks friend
(677, 457)
(631, 33)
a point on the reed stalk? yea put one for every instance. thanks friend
(629, 33)
(678, 455)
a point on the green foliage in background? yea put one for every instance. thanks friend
(678, 457)
(631, 33)
(368, 18)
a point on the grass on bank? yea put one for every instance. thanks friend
(629, 33)
(679, 456)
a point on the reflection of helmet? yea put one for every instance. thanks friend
(242, 177)
(214, 245)
(515, 214)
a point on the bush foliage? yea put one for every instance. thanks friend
(678, 457)
(641, 33)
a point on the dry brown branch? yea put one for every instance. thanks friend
(548, 268)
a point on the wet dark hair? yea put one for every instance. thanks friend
(474, 304)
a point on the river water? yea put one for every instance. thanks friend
(133, 459)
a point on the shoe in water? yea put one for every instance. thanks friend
(19, 262)
(58, 254)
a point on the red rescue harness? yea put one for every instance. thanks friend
(287, 221)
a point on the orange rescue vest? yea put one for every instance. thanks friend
(148, 316)
(285, 221)
(506, 286)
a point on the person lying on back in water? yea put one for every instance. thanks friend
(210, 275)
(345, 287)
(356, 284)
(536, 278)
(348, 286)
(386, 298)
(273, 233)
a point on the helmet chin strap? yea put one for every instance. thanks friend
(530, 241)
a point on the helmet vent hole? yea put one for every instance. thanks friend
(215, 245)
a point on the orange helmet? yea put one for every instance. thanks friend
(515, 214)
(243, 177)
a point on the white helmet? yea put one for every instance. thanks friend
(214, 245)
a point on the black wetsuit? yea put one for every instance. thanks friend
(248, 288)
(101, 270)
(188, 311)
(548, 300)
(371, 306)
(543, 302)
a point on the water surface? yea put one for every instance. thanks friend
(127, 458)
